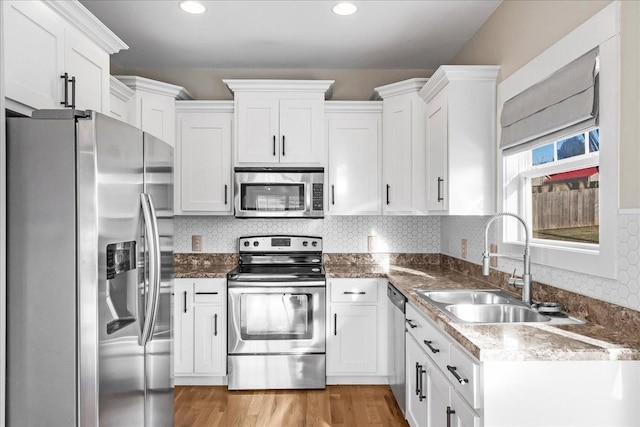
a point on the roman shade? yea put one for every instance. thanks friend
(563, 104)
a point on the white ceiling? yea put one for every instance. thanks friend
(383, 34)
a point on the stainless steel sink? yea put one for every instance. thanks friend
(495, 313)
(487, 306)
(467, 297)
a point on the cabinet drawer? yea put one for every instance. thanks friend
(354, 290)
(208, 291)
(433, 342)
(467, 370)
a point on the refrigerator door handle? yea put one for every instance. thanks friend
(153, 242)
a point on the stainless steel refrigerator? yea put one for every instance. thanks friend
(90, 267)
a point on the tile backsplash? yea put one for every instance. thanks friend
(407, 234)
(412, 234)
(624, 291)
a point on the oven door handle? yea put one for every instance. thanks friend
(276, 285)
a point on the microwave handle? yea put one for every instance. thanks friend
(283, 146)
(274, 145)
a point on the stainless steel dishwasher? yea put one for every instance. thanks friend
(396, 343)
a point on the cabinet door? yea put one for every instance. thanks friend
(397, 157)
(33, 54)
(258, 131)
(437, 143)
(416, 411)
(462, 415)
(183, 326)
(354, 187)
(352, 343)
(438, 391)
(301, 131)
(205, 162)
(158, 116)
(90, 66)
(209, 343)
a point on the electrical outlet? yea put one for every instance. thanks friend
(463, 250)
(493, 248)
(196, 243)
(371, 243)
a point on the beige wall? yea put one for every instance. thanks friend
(520, 30)
(206, 83)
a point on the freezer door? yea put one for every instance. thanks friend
(158, 182)
(109, 165)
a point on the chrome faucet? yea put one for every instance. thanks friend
(525, 281)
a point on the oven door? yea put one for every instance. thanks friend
(276, 317)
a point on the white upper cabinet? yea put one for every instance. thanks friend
(354, 134)
(203, 158)
(44, 41)
(279, 121)
(461, 139)
(154, 106)
(122, 102)
(403, 148)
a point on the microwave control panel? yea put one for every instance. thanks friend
(317, 197)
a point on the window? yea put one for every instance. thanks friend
(558, 177)
(560, 189)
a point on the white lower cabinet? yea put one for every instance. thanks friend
(200, 331)
(356, 331)
(447, 386)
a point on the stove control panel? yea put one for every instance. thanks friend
(280, 244)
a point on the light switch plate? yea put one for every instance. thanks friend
(196, 243)
(463, 249)
(371, 243)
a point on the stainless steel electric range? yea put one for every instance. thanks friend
(276, 323)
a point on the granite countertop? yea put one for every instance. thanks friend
(506, 342)
(207, 271)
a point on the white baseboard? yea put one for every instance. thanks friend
(199, 380)
(369, 380)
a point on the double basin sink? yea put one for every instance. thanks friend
(486, 306)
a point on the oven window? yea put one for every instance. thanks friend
(276, 316)
(266, 197)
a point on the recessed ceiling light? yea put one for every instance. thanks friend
(345, 8)
(194, 7)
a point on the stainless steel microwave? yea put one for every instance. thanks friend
(279, 192)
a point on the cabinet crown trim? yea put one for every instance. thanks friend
(154, 86)
(120, 90)
(244, 85)
(353, 107)
(86, 22)
(448, 73)
(401, 88)
(193, 106)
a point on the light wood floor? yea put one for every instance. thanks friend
(351, 406)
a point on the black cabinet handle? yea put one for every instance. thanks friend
(388, 187)
(335, 324)
(65, 76)
(73, 92)
(354, 292)
(333, 194)
(421, 395)
(440, 181)
(453, 369)
(449, 412)
(215, 325)
(225, 194)
(185, 301)
(206, 293)
(410, 322)
(274, 145)
(417, 379)
(428, 344)
(283, 146)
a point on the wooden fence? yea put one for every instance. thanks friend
(565, 209)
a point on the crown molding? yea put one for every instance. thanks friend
(87, 23)
(265, 85)
(401, 88)
(154, 86)
(120, 90)
(447, 73)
